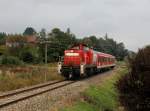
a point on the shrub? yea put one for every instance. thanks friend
(30, 54)
(10, 60)
(134, 88)
(14, 77)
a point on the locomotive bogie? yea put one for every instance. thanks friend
(70, 72)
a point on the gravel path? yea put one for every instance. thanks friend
(52, 101)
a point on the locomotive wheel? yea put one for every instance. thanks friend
(69, 76)
(72, 76)
(95, 71)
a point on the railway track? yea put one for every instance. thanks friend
(26, 93)
(15, 96)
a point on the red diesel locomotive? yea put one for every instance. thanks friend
(80, 60)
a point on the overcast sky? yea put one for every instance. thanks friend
(126, 21)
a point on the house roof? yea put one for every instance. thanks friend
(31, 39)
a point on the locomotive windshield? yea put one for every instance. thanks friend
(76, 48)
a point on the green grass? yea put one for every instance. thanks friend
(81, 106)
(102, 97)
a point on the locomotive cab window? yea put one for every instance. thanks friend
(76, 48)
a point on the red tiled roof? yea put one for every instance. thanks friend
(31, 39)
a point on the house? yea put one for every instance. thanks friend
(32, 39)
(18, 40)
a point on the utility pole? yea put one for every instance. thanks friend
(45, 53)
(46, 44)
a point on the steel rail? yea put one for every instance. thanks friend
(24, 97)
(22, 90)
(9, 102)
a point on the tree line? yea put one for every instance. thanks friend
(58, 42)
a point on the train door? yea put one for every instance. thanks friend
(94, 58)
(86, 55)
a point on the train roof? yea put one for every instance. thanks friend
(78, 44)
(100, 53)
(104, 54)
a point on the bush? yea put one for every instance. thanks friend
(10, 60)
(30, 54)
(134, 88)
(14, 77)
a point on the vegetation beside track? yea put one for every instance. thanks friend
(103, 97)
(14, 77)
(134, 87)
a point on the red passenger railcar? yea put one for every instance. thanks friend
(80, 60)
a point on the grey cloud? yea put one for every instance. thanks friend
(124, 20)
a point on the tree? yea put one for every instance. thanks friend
(30, 54)
(60, 41)
(15, 43)
(43, 34)
(18, 47)
(133, 88)
(29, 31)
(2, 38)
(68, 31)
(106, 45)
(106, 36)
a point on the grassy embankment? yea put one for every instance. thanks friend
(102, 97)
(14, 77)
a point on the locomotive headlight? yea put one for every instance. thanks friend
(72, 54)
